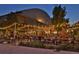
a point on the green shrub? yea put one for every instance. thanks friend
(47, 46)
(76, 47)
(36, 43)
(66, 47)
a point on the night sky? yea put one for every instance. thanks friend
(72, 10)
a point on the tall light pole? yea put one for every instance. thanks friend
(15, 31)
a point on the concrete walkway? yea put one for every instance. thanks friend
(9, 49)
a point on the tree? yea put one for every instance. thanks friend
(59, 14)
(58, 18)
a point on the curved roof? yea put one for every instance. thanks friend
(38, 14)
(31, 16)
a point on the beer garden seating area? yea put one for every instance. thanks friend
(38, 36)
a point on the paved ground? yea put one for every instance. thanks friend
(9, 49)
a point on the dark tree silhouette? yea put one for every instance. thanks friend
(59, 14)
(58, 18)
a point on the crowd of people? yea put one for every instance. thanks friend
(24, 38)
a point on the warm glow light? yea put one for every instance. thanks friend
(55, 32)
(67, 30)
(40, 20)
(72, 30)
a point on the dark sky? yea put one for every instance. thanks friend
(72, 9)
